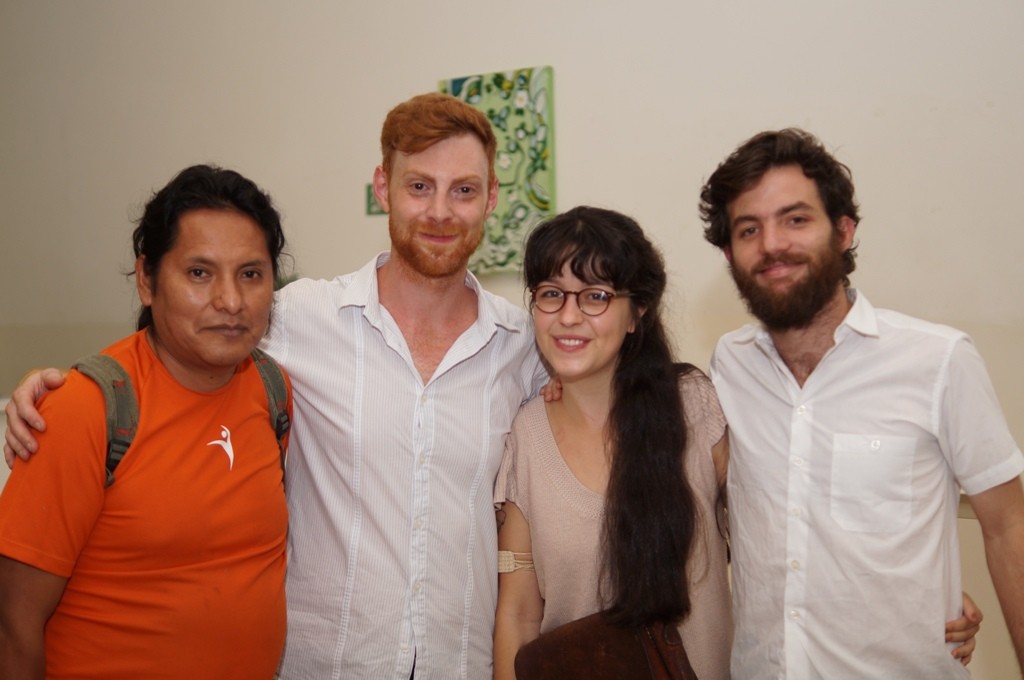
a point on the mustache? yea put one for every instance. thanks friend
(442, 230)
(770, 260)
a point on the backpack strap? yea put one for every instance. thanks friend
(277, 396)
(123, 409)
(121, 404)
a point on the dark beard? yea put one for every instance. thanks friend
(797, 307)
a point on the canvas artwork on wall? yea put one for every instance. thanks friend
(519, 106)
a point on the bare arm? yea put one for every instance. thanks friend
(28, 597)
(22, 416)
(1000, 512)
(520, 606)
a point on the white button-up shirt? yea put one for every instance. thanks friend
(393, 546)
(843, 495)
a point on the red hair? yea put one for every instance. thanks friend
(419, 123)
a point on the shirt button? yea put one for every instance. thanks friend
(801, 409)
(798, 461)
(419, 523)
(795, 564)
(875, 444)
(794, 614)
(418, 586)
(795, 512)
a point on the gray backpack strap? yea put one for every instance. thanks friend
(277, 396)
(122, 407)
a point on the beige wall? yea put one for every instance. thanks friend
(103, 100)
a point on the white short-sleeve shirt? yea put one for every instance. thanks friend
(843, 495)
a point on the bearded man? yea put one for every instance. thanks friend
(852, 432)
(407, 375)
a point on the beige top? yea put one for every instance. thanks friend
(565, 525)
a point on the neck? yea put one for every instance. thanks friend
(431, 313)
(587, 401)
(407, 293)
(187, 376)
(803, 348)
(579, 425)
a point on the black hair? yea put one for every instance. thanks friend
(196, 188)
(773, 149)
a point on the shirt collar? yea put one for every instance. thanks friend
(363, 292)
(860, 319)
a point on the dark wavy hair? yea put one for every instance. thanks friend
(649, 521)
(201, 187)
(759, 154)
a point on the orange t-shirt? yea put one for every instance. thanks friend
(176, 570)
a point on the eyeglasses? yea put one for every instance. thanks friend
(591, 301)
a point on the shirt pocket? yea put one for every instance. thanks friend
(872, 479)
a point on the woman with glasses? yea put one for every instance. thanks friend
(610, 496)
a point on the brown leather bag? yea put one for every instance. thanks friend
(596, 649)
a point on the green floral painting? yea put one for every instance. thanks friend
(519, 106)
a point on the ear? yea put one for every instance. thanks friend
(143, 282)
(846, 228)
(380, 188)
(640, 311)
(727, 251)
(492, 196)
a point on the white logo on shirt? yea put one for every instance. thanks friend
(226, 445)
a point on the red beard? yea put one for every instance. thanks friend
(434, 261)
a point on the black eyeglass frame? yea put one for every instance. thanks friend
(565, 296)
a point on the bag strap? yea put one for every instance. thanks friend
(277, 397)
(664, 649)
(122, 407)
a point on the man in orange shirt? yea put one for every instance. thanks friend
(176, 570)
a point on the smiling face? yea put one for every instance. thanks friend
(210, 296)
(577, 346)
(437, 201)
(785, 254)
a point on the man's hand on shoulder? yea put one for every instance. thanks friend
(22, 416)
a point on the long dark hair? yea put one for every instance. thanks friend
(649, 520)
(195, 188)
